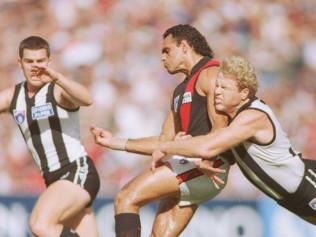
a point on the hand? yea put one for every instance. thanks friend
(206, 166)
(45, 74)
(157, 159)
(101, 137)
(182, 136)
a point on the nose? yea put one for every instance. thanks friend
(217, 90)
(163, 57)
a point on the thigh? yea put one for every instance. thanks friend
(81, 172)
(195, 187)
(147, 187)
(84, 223)
(61, 200)
(171, 219)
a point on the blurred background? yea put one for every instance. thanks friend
(113, 47)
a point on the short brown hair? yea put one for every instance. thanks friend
(243, 71)
(33, 42)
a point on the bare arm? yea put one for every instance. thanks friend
(5, 99)
(206, 86)
(68, 93)
(248, 124)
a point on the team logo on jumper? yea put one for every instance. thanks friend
(42, 111)
(312, 204)
(176, 103)
(183, 161)
(187, 97)
(19, 116)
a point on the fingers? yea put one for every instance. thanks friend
(182, 136)
(218, 180)
(157, 157)
(95, 130)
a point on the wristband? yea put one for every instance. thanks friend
(118, 143)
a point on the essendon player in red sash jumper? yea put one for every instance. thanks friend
(46, 109)
(179, 183)
(261, 148)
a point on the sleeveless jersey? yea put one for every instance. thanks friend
(189, 106)
(51, 133)
(275, 168)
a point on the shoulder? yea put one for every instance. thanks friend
(250, 117)
(209, 73)
(207, 78)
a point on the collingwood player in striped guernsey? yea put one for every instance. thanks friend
(260, 146)
(46, 109)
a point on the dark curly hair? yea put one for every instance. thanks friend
(34, 43)
(194, 38)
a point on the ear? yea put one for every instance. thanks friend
(20, 61)
(184, 46)
(244, 93)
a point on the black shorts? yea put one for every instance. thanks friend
(303, 201)
(82, 172)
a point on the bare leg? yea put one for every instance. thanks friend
(145, 188)
(171, 219)
(84, 223)
(61, 200)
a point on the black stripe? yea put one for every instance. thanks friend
(266, 179)
(13, 104)
(35, 131)
(14, 100)
(55, 126)
(273, 127)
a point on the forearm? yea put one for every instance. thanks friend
(144, 146)
(196, 147)
(78, 93)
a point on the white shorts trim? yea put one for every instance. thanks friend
(198, 189)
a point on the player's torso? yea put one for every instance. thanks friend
(274, 167)
(52, 133)
(189, 106)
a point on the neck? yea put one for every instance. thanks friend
(233, 112)
(192, 60)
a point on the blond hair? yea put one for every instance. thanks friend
(243, 72)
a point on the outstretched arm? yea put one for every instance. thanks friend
(246, 125)
(144, 145)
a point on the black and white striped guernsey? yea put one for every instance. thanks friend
(275, 168)
(51, 132)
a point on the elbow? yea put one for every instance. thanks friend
(88, 101)
(204, 152)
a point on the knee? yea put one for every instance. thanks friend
(39, 226)
(125, 200)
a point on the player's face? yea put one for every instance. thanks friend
(31, 60)
(228, 97)
(171, 55)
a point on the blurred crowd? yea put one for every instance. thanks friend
(113, 47)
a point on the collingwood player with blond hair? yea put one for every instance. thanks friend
(261, 148)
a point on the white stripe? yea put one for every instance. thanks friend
(70, 127)
(312, 172)
(311, 181)
(77, 171)
(85, 171)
